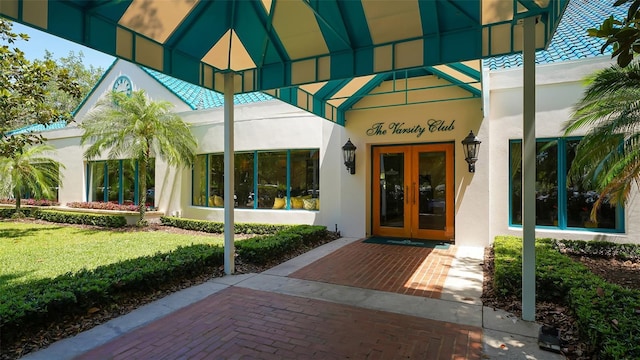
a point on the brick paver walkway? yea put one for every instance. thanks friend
(239, 323)
(400, 269)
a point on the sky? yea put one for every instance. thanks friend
(40, 41)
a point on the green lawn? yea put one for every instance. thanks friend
(32, 251)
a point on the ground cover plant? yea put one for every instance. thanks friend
(31, 252)
(47, 294)
(605, 314)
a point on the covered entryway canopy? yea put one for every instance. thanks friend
(332, 50)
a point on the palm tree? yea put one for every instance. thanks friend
(608, 156)
(134, 127)
(30, 169)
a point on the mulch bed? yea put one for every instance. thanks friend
(69, 326)
(624, 273)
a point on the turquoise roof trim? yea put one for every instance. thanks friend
(38, 128)
(199, 98)
(84, 101)
(570, 41)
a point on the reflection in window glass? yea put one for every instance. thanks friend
(275, 190)
(272, 180)
(580, 201)
(565, 206)
(151, 183)
(97, 170)
(244, 180)
(199, 180)
(305, 179)
(128, 182)
(216, 180)
(113, 184)
(116, 181)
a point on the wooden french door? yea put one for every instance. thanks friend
(413, 191)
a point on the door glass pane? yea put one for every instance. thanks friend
(392, 190)
(431, 185)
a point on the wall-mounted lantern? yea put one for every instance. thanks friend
(471, 146)
(349, 154)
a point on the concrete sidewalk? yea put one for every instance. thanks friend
(312, 319)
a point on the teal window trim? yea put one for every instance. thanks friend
(562, 179)
(87, 182)
(256, 195)
(562, 192)
(105, 183)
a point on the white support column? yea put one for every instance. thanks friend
(529, 172)
(229, 191)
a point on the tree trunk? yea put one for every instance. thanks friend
(142, 190)
(18, 196)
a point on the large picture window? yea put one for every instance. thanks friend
(116, 181)
(286, 179)
(560, 203)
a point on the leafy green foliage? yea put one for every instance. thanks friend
(36, 303)
(134, 127)
(66, 217)
(607, 158)
(30, 169)
(596, 248)
(264, 249)
(607, 313)
(623, 35)
(218, 227)
(25, 88)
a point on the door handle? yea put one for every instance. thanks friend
(406, 193)
(414, 193)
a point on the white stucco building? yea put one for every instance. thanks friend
(411, 179)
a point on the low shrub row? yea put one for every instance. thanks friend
(218, 227)
(37, 303)
(608, 315)
(67, 217)
(264, 249)
(606, 249)
(7, 212)
(103, 220)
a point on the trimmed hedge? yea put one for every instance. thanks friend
(218, 227)
(45, 300)
(606, 249)
(264, 249)
(6, 212)
(104, 220)
(40, 302)
(607, 314)
(68, 217)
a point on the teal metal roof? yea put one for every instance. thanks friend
(274, 44)
(570, 41)
(199, 98)
(38, 128)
